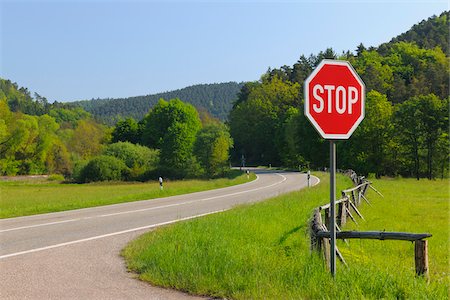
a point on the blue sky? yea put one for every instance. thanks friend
(73, 50)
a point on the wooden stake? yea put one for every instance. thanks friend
(342, 214)
(327, 218)
(421, 258)
(351, 216)
(356, 210)
(366, 199)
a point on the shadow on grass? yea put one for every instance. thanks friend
(290, 232)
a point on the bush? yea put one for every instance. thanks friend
(139, 159)
(78, 170)
(104, 168)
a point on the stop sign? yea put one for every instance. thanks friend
(334, 99)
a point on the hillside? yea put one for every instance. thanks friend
(405, 129)
(429, 33)
(217, 98)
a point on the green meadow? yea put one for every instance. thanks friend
(262, 251)
(22, 198)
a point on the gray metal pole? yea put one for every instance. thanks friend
(332, 226)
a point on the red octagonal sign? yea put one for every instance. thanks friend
(334, 99)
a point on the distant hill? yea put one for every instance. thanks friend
(216, 98)
(429, 33)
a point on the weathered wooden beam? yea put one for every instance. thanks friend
(341, 258)
(326, 206)
(325, 247)
(315, 227)
(342, 213)
(351, 216)
(356, 210)
(327, 218)
(356, 187)
(376, 235)
(364, 197)
(376, 190)
(421, 258)
(366, 188)
(353, 198)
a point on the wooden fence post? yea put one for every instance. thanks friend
(327, 218)
(342, 214)
(421, 258)
(326, 252)
(316, 225)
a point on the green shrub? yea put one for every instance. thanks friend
(78, 170)
(104, 168)
(139, 159)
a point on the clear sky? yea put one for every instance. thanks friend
(73, 50)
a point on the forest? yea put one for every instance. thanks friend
(216, 98)
(404, 133)
(172, 140)
(406, 126)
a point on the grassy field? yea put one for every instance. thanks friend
(18, 198)
(410, 206)
(261, 251)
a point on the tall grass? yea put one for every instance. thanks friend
(261, 251)
(409, 206)
(29, 198)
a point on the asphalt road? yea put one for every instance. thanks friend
(75, 254)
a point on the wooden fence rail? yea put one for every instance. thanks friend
(351, 199)
(376, 235)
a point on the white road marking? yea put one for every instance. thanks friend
(318, 180)
(106, 235)
(39, 225)
(132, 229)
(151, 208)
(194, 201)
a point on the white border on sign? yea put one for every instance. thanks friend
(306, 94)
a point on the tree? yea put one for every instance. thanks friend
(376, 74)
(434, 123)
(87, 139)
(212, 148)
(139, 159)
(58, 160)
(68, 118)
(256, 122)
(305, 146)
(421, 122)
(103, 168)
(172, 127)
(367, 150)
(126, 131)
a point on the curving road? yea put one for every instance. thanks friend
(75, 254)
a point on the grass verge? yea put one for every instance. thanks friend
(19, 198)
(261, 251)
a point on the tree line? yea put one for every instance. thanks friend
(216, 99)
(405, 131)
(173, 140)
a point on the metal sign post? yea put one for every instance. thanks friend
(332, 226)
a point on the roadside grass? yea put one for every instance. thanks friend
(408, 206)
(261, 251)
(22, 198)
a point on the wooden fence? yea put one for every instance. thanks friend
(348, 209)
